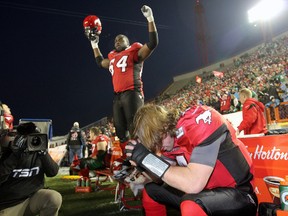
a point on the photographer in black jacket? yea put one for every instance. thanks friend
(22, 177)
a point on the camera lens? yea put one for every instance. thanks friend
(36, 141)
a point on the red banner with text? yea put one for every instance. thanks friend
(270, 157)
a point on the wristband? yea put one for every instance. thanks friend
(94, 45)
(99, 60)
(153, 40)
(152, 163)
(155, 165)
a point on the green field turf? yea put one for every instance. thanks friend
(97, 202)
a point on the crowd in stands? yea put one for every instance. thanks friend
(264, 72)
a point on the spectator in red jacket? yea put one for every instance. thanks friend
(254, 121)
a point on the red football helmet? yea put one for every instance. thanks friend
(92, 23)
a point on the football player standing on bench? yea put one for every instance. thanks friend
(125, 64)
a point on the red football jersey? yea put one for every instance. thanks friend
(225, 103)
(125, 69)
(100, 138)
(202, 126)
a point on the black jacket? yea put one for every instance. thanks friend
(22, 174)
(75, 137)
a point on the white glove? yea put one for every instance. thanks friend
(94, 43)
(147, 12)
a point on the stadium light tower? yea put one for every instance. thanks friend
(263, 12)
(201, 32)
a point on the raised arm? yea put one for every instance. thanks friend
(148, 47)
(92, 29)
(101, 62)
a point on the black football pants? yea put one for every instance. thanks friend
(215, 202)
(125, 105)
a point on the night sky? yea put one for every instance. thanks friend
(47, 64)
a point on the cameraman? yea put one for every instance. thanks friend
(22, 178)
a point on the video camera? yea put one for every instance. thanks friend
(31, 137)
(37, 142)
(25, 136)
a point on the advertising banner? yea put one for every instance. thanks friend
(270, 158)
(58, 153)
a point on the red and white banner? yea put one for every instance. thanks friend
(218, 74)
(270, 158)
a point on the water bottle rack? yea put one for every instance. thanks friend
(83, 185)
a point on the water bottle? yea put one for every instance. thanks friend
(88, 182)
(78, 184)
(283, 189)
(82, 182)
